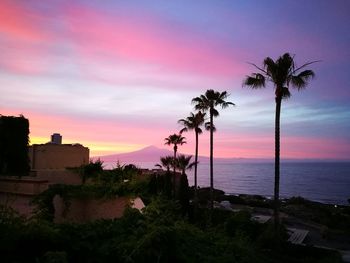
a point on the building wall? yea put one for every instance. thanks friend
(61, 176)
(57, 156)
(21, 203)
(17, 192)
(84, 210)
(22, 185)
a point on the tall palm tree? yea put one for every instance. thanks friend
(208, 102)
(282, 73)
(194, 122)
(175, 139)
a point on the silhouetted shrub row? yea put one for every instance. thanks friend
(159, 234)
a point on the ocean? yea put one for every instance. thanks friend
(326, 182)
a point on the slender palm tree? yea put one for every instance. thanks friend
(208, 102)
(194, 122)
(283, 73)
(175, 139)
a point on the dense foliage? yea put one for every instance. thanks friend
(165, 231)
(14, 142)
(159, 234)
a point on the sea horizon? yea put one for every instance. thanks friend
(320, 181)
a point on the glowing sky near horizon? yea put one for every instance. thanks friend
(117, 75)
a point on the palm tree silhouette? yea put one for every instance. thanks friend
(193, 122)
(175, 139)
(184, 163)
(208, 102)
(166, 162)
(283, 73)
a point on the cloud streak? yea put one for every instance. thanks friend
(117, 77)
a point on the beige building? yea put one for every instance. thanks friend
(49, 161)
(51, 156)
(48, 164)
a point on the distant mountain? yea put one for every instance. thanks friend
(153, 154)
(148, 154)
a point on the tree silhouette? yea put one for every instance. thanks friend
(166, 162)
(184, 163)
(208, 102)
(14, 141)
(175, 139)
(194, 122)
(283, 73)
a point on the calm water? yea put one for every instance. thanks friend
(324, 182)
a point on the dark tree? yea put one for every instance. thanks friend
(208, 102)
(194, 122)
(14, 141)
(175, 139)
(282, 73)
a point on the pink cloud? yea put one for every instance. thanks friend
(149, 41)
(121, 136)
(92, 133)
(262, 146)
(25, 59)
(17, 22)
(25, 40)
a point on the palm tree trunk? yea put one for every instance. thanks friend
(174, 164)
(277, 161)
(195, 171)
(211, 163)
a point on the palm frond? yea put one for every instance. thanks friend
(183, 130)
(223, 95)
(301, 80)
(175, 139)
(285, 93)
(269, 65)
(207, 126)
(305, 65)
(215, 112)
(262, 70)
(196, 100)
(199, 130)
(191, 165)
(226, 104)
(255, 81)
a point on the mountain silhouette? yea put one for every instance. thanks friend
(147, 154)
(153, 154)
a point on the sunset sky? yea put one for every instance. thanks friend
(117, 75)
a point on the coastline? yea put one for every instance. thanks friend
(324, 182)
